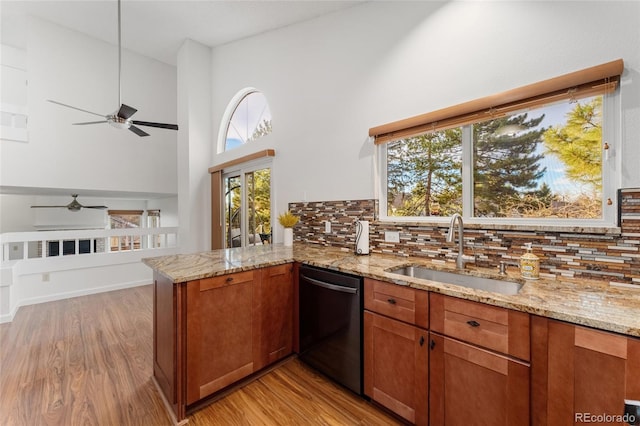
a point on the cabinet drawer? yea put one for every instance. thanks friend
(402, 303)
(225, 280)
(499, 329)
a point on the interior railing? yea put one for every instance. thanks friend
(86, 242)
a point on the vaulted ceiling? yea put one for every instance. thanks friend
(157, 28)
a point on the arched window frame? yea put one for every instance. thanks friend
(228, 115)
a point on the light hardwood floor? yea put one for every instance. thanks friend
(88, 361)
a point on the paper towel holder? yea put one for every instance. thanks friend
(362, 237)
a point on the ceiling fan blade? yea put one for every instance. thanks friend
(138, 131)
(79, 109)
(126, 111)
(95, 207)
(89, 122)
(160, 125)
(48, 207)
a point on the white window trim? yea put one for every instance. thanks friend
(611, 175)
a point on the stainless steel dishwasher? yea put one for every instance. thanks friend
(331, 324)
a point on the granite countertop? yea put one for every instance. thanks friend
(590, 303)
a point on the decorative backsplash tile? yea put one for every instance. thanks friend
(611, 257)
(341, 214)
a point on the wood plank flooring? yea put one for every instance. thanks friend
(88, 361)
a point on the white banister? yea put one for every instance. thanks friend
(11, 240)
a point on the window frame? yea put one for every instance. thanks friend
(233, 105)
(242, 170)
(611, 176)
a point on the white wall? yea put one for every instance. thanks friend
(74, 69)
(195, 146)
(329, 80)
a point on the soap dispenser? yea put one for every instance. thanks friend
(529, 265)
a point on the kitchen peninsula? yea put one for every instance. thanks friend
(245, 278)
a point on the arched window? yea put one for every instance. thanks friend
(247, 118)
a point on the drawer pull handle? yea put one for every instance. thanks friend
(421, 340)
(473, 323)
(392, 301)
(229, 279)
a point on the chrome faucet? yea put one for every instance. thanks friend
(461, 259)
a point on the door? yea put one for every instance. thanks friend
(470, 385)
(247, 207)
(222, 326)
(276, 313)
(579, 372)
(396, 366)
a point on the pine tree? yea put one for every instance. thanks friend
(506, 166)
(424, 174)
(578, 144)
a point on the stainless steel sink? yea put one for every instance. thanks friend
(470, 281)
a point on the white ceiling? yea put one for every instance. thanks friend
(157, 28)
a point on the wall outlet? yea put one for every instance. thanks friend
(392, 236)
(327, 227)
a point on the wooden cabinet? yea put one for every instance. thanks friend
(479, 372)
(222, 327)
(210, 333)
(579, 372)
(276, 313)
(396, 354)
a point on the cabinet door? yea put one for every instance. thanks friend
(222, 328)
(276, 313)
(396, 366)
(579, 372)
(473, 386)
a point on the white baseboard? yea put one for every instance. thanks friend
(67, 295)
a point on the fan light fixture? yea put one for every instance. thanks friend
(121, 118)
(73, 206)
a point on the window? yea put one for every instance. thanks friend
(247, 207)
(543, 160)
(247, 118)
(121, 219)
(153, 221)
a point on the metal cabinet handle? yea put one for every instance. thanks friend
(432, 344)
(229, 279)
(473, 323)
(392, 301)
(421, 340)
(330, 286)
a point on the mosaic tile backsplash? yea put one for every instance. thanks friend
(611, 257)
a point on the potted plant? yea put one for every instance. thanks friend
(288, 221)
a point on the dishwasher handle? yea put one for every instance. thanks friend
(329, 286)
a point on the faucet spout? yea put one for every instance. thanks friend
(460, 260)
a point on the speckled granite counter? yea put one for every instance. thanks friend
(589, 303)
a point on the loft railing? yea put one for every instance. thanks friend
(86, 242)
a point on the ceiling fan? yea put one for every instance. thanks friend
(121, 118)
(73, 206)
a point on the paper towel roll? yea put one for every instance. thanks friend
(362, 237)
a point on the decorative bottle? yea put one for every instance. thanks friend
(529, 265)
